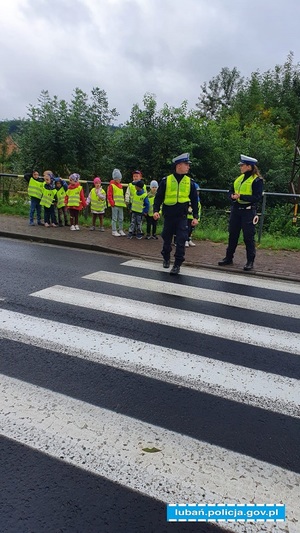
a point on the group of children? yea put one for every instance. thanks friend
(53, 193)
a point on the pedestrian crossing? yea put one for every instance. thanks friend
(175, 318)
(202, 455)
(199, 373)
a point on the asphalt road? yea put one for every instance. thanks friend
(97, 368)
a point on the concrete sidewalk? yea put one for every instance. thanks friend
(278, 264)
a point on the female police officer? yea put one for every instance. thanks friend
(245, 193)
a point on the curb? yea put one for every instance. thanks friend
(98, 248)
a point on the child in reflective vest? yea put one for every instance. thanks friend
(151, 223)
(115, 199)
(74, 200)
(139, 207)
(48, 199)
(61, 187)
(97, 200)
(191, 228)
(35, 191)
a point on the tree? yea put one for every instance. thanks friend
(67, 136)
(219, 93)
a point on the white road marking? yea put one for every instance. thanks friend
(209, 325)
(197, 293)
(233, 382)
(109, 444)
(263, 283)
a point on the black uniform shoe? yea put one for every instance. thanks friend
(166, 263)
(225, 261)
(175, 270)
(249, 265)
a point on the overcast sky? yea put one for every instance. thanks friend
(130, 47)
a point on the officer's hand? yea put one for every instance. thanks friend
(195, 221)
(156, 216)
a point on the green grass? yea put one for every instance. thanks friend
(210, 228)
(278, 242)
(19, 208)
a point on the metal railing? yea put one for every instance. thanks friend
(295, 197)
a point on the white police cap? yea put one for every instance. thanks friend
(245, 160)
(182, 158)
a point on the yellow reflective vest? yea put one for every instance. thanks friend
(118, 195)
(151, 202)
(48, 197)
(245, 187)
(74, 196)
(35, 188)
(96, 203)
(177, 192)
(61, 194)
(132, 190)
(138, 202)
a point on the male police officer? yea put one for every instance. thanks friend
(174, 193)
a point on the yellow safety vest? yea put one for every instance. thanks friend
(245, 187)
(132, 190)
(96, 203)
(61, 194)
(138, 202)
(35, 188)
(74, 196)
(118, 195)
(151, 202)
(48, 197)
(177, 192)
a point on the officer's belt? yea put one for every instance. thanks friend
(249, 207)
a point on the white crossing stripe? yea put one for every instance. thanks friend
(239, 279)
(109, 444)
(176, 318)
(199, 294)
(233, 382)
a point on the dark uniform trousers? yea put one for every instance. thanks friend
(175, 226)
(241, 219)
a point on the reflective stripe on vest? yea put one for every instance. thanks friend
(61, 194)
(245, 187)
(35, 188)
(177, 192)
(48, 197)
(96, 203)
(118, 196)
(151, 202)
(74, 196)
(138, 202)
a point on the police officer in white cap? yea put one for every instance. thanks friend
(245, 193)
(175, 192)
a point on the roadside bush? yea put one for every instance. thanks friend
(279, 221)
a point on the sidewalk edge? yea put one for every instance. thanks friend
(98, 248)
